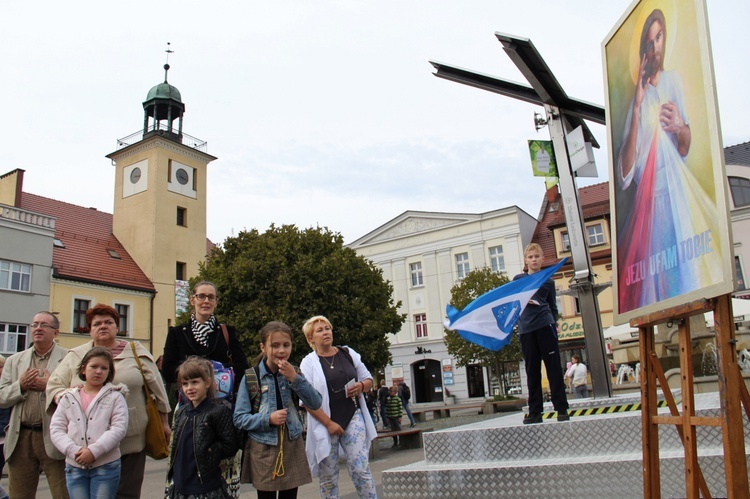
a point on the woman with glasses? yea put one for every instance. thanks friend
(205, 337)
(342, 420)
(103, 324)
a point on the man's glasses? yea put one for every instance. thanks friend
(45, 325)
(203, 297)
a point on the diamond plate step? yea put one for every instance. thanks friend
(596, 456)
(617, 476)
(592, 436)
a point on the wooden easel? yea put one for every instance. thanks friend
(732, 393)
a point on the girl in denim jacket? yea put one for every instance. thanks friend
(274, 426)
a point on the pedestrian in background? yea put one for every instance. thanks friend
(405, 393)
(577, 375)
(383, 394)
(394, 411)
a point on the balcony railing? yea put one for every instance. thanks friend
(162, 130)
(28, 217)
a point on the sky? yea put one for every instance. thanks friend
(321, 113)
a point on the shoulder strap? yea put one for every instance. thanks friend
(226, 340)
(140, 368)
(348, 356)
(253, 387)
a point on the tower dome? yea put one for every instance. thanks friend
(163, 106)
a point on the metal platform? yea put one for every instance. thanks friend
(598, 456)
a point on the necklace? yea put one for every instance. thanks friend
(333, 359)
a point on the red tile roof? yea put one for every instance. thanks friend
(594, 201)
(87, 236)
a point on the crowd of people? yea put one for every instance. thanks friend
(88, 417)
(80, 416)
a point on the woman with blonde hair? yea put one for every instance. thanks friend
(341, 378)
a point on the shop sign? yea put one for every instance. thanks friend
(570, 330)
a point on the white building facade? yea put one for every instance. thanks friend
(423, 255)
(737, 160)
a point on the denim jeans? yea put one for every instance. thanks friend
(94, 483)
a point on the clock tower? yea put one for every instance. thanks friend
(160, 203)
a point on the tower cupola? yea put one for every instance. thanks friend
(163, 106)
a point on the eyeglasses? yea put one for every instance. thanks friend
(203, 297)
(45, 325)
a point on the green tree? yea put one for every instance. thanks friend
(474, 284)
(290, 275)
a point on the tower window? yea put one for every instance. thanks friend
(182, 217)
(181, 271)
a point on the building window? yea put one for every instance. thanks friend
(114, 254)
(79, 315)
(565, 242)
(420, 322)
(497, 260)
(13, 337)
(124, 311)
(182, 217)
(416, 274)
(740, 191)
(57, 243)
(738, 271)
(181, 271)
(462, 265)
(596, 234)
(15, 276)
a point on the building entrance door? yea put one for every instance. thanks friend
(428, 382)
(475, 380)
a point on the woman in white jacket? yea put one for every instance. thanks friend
(577, 374)
(88, 425)
(342, 422)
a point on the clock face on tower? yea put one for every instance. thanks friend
(135, 175)
(182, 179)
(135, 178)
(182, 176)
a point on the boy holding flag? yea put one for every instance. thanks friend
(537, 328)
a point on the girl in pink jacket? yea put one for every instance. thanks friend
(88, 425)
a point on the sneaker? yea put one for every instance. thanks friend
(532, 419)
(563, 416)
(386, 427)
(412, 425)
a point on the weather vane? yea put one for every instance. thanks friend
(166, 65)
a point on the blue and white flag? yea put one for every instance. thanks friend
(488, 321)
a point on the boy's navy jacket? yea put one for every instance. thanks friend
(538, 316)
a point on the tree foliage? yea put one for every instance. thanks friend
(289, 275)
(476, 283)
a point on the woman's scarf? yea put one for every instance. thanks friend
(201, 331)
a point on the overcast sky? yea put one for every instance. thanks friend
(320, 112)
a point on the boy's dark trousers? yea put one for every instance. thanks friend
(540, 346)
(395, 426)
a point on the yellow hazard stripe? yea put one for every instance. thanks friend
(605, 409)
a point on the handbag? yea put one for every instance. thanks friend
(156, 441)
